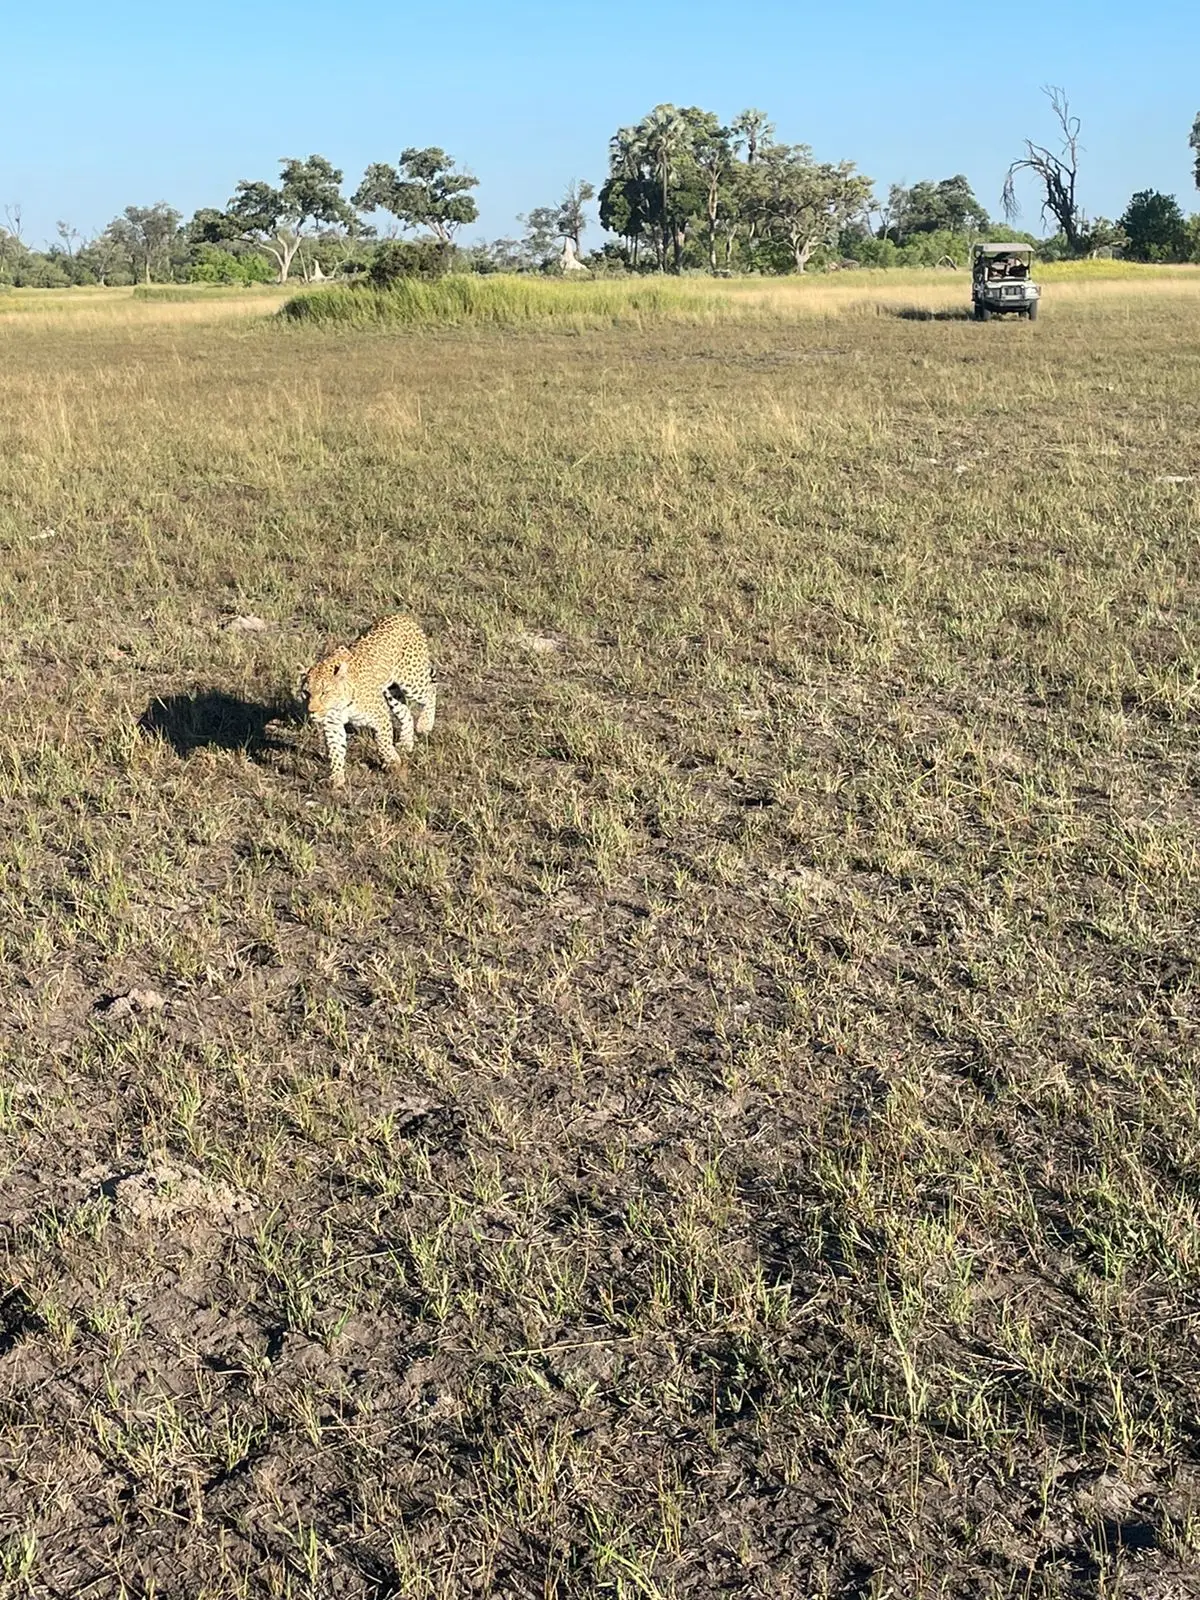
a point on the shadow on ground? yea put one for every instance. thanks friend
(923, 314)
(211, 719)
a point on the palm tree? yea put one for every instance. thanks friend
(753, 127)
(627, 171)
(662, 136)
(623, 156)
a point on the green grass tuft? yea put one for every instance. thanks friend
(506, 302)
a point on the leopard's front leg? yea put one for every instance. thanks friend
(335, 746)
(381, 726)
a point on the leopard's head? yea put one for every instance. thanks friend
(326, 687)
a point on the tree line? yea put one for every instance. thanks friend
(683, 191)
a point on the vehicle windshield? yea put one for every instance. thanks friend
(995, 268)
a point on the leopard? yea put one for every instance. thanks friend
(377, 681)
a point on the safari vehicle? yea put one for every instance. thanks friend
(1000, 281)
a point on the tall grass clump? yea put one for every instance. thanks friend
(503, 301)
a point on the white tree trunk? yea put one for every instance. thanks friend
(284, 250)
(802, 248)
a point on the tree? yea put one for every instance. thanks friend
(12, 215)
(1155, 226)
(680, 172)
(929, 207)
(276, 219)
(734, 208)
(714, 154)
(218, 253)
(662, 137)
(655, 187)
(495, 255)
(70, 237)
(210, 226)
(546, 227)
(572, 219)
(13, 256)
(105, 258)
(541, 235)
(1105, 235)
(626, 200)
(1194, 146)
(146, 233)
(1057, 174)
(890, 211)
(752, 128)
(808, 202)
(424, 192)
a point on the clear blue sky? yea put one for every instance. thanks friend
(103, 106)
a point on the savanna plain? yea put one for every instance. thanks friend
(724, 1121)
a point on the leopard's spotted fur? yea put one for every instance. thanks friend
(380, 677)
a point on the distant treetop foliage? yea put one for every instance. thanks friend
(684, 191)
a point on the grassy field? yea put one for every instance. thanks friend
(726, 1121)
(504, 301)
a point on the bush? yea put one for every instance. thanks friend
(926, 249)
(397, 259)
(42, 272)
(211, 264)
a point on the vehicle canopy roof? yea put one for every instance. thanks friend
(1003, 249)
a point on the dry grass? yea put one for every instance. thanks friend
(727, 1122)
(597, 303)
(51, 311)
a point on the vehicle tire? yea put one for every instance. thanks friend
(983, 313)
(1032, 312)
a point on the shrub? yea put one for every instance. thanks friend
(211, 264)
(397, 259)
(42, 272)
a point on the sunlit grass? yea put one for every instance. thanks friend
(727, 1117)
(512, 301)
(592, 303)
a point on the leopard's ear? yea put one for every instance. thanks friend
(342, 668)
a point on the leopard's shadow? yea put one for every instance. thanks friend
(211, 719)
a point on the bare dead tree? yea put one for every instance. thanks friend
(1194, 146)
(887, 211)
(1057, 174)
(70, 236)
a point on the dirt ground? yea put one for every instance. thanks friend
(724, 1122)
